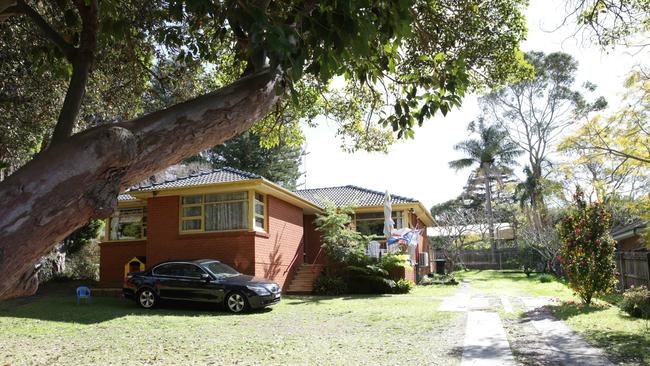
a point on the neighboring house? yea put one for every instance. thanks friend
(242, 219)
(628, 237)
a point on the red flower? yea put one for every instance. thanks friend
(578, 231)
(559, 257)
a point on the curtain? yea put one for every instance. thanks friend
(226, 216)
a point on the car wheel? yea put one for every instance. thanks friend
(147, 298)
(236, 302)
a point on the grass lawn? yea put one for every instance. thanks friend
(626, 340)
(50, 329)
(512, 283)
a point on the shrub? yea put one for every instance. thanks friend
(391, 261)
(546, 278)
(636, 302)
(327, 285)
(369, 279)
(434, 279)
(84, 264)
(366, 284)
(426, 281)
(341, 244)
(404, 286)
(587, 253)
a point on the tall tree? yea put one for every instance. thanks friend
(493, 155)
(279, 163)
(260, 51)
(612, 22)
(536, 112)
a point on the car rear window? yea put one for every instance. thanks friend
(178, 270)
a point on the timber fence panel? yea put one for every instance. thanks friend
(633, 269)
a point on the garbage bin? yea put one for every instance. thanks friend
(440, 266)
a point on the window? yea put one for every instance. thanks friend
(259, 212)
(128, 224)
(214, 212)
(372, 223)
(179, 270)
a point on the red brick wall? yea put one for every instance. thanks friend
(165, 243)
(313, 242)
(423, 247)
(279, 254)
(113, 257)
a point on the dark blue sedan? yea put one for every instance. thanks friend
(205, 280)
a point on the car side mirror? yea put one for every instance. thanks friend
(206, 277)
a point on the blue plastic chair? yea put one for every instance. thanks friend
(83, 292)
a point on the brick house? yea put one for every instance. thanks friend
(628, 237)
(244, 220)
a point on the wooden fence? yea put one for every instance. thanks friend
(482, 259)
(633, 269)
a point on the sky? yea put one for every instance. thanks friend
(418, 168)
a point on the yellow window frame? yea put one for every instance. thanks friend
(203, 203)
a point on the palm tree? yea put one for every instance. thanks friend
(492, 153)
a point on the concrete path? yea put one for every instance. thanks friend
(563, 346)
(485, 341)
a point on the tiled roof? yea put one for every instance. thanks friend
(126, 197)
(620, 230)
(221, 175)
(348, 196)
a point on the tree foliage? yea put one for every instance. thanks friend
(280, 163)
(587, 253)
(398, 56)
(493, 155)
(271, 60)
(536, 112)
(340, 242)
(612, 22)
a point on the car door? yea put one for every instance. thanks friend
(166, 277)
(195, 285)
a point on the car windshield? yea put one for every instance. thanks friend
(220, 269)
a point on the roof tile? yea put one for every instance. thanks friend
(348, 196)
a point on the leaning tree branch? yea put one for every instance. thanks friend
(81, 60)
(66, 48)
(79, 179)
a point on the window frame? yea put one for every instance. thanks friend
(143, 224)
(249, 221)
(396, 214)
(263, 215)
(153, 270)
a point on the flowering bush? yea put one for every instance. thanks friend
(587, 253)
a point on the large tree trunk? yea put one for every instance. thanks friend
(79, 179)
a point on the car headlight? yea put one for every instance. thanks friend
(260, 290)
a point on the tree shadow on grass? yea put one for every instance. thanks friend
(510, 275)
(101, 309)
(318, 299)
(620, 346)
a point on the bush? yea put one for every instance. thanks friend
(546, 278)
(367, 284)
(587, 253)
(636, 302)
(404, 286)
(327, 285)
(434, 279)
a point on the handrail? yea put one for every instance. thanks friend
(298, 252)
